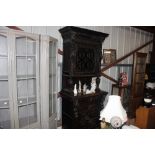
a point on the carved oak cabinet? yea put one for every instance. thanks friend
(82, 53)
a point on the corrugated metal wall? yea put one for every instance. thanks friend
(122, 38)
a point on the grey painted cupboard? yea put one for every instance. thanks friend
(28, 80)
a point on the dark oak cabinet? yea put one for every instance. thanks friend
(82, 54)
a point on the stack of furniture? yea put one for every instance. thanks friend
(81, 64)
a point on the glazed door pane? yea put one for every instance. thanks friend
(26, 82)
(5, 122)
(21, 67)
(31, 47)
(52, 78)
(3, 45)
(52, 85)
(31, 62)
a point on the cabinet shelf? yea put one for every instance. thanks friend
(3, 56)
(25, 56)
(4, 107)
(3, 79)
(26, 104)
(26, 78)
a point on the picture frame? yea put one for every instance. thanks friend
(109, 56)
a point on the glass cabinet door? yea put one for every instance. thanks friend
(52, 84)
(27, 78)
(5, 122)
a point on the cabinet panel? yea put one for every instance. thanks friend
(31, 64)
(26, 67)
(5, 122)
(21, 49)
(22, 88)
(3, 45)
(23, 116)
(31, 46)
(27, 115)
(3, 67)
(21, 67)
(4, 90)
(32, 88)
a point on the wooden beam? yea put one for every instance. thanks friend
(108, 77)
(125, 56)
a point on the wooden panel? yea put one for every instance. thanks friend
(145, 118)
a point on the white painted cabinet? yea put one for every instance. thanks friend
(24, 75)
(48, 88)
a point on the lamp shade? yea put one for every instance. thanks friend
(113, 108)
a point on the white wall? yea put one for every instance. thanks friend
(122, 38)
